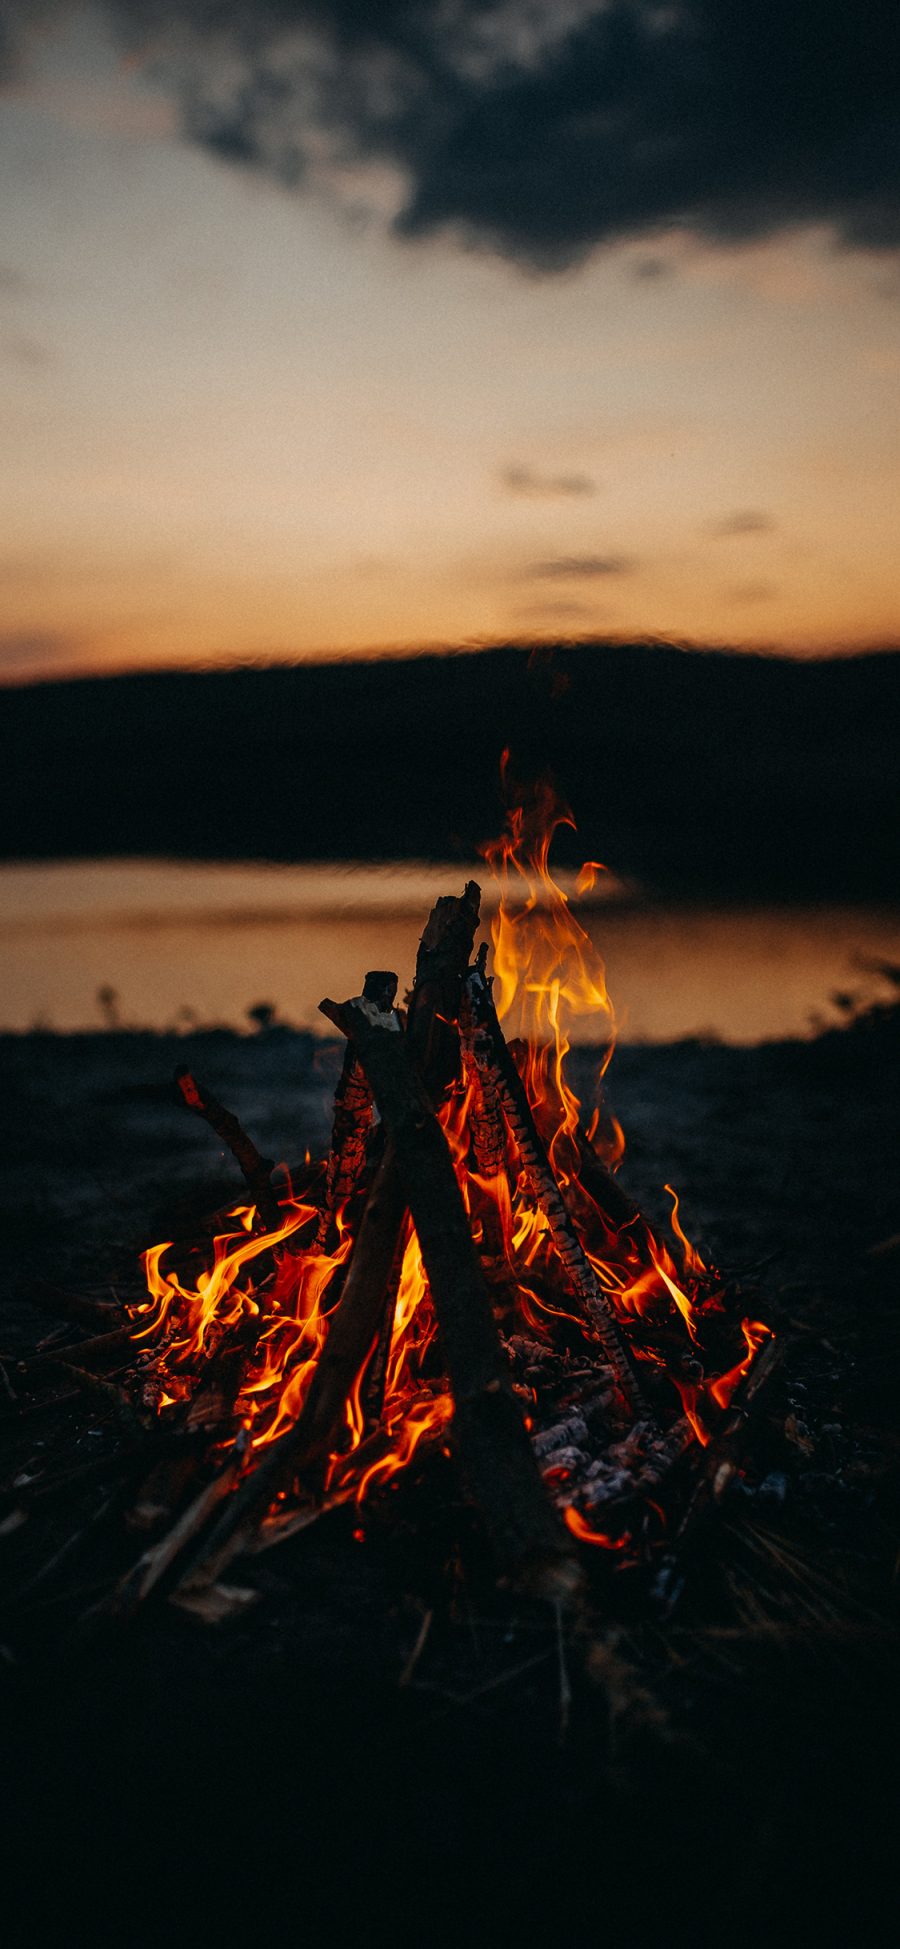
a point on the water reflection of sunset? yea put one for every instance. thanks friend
(178, 942)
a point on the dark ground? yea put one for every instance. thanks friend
(183, 1780)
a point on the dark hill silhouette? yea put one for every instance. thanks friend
(700, 773)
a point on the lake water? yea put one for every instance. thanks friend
(182, 943)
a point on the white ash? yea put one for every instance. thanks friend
(574, 1430)
(573, 1460)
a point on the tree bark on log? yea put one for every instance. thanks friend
(433, 1021)
(487, 1428)
(494, 1062)
(487, 1124)
(352, 1117)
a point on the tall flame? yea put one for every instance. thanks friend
(547, 973)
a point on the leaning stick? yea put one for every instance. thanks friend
(138, 1583)
(494, 1063)
(99, 1344)
(256, 1170)
(352, 1117)
(487, 1428)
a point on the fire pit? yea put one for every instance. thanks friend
(464, 1273)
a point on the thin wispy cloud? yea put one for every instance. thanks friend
(745, 521)
(570, 568)
(555, 612)
(752, 593)
(532, 485)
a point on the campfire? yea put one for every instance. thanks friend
(463, 1273)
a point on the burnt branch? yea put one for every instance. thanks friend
(256, 1170)
(352, 1118)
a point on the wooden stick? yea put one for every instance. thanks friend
(489, 1135)
(487, 1428)
(352, 1117)
(441, 962)
(493, 1060)
(100, 1343)
(256, 1170)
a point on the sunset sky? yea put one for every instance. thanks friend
(326, 328)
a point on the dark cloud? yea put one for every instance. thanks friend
(540, 129)
(535, 486)
(566, 568)
(746, 521)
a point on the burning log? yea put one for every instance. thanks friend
(352, 1117)
(489, 1139)
(486, 1123)
(494, 1063)
(256, 1170)
(441, 962)
(488, 1429)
